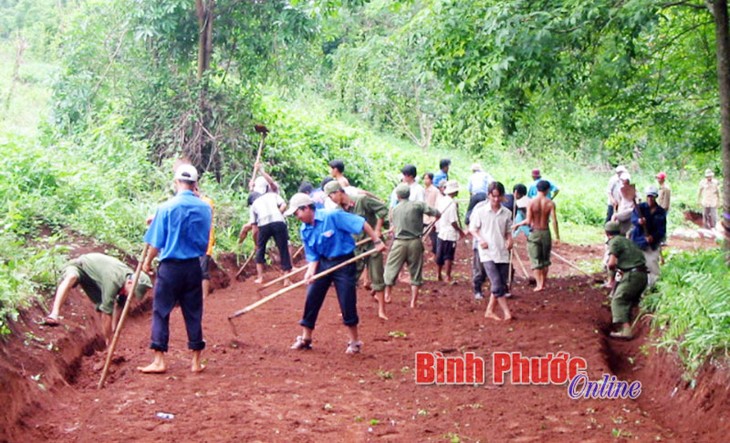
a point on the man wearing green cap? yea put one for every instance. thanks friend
(631, 278)
(407, 223)
(105, 280)
(374, 212)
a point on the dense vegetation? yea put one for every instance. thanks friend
(99, 96)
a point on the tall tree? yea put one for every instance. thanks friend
(722, 36)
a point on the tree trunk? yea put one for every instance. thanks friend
(203, 144)
(719, 11)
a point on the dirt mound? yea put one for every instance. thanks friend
(255, 388)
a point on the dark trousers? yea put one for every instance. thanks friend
(344, 280)
(609, 213)
(281, 238)
(178, 282)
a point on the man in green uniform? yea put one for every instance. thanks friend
(374, 212)
(105, 280)
(631, 277)
(407, 223)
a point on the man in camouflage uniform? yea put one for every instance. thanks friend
(631, 279)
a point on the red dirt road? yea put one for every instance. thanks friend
(256, 389)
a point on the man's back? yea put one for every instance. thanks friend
(541, 208)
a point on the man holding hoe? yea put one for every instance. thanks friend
(328, 242)
(105, 280)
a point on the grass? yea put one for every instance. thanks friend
(691, 307)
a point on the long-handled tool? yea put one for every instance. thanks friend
(296, 271)
(270, 297)
(263, 132)
(118, 330)
(511, 252)
(565, 260)
(240, 271)
(522, 266)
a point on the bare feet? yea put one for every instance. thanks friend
(382, 315)
(50, 321)
(259, 280)
(538, 289)
(197, 365)
(287, 282)
(153, 368)
(492, 316)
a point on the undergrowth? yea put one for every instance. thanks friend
(691, 307)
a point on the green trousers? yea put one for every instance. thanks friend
(627, 295)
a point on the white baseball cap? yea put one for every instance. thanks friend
(297, 201)
(186, 173)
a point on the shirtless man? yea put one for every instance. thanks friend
(539, 242)
(337, 170)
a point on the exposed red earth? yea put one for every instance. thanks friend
(256, 389)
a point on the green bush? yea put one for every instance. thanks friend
(692, 307)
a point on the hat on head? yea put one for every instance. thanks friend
(186, 173)
(662, 175)
(331, 187)
(297, 201)
(476, 167)
(624, 176)
(143, 284)
(403, 191)
(260, 185)
(620, 169)
(536, 172)
(709, 173)
(652, 190)
(612, 227)
(452, 187)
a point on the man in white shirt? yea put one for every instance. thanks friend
(479, 180)
(491, 225)
(418, 194)
(613, 192)
(449, 231)
(266, 213)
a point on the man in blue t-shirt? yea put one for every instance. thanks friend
(328, 242)
(443, 173)
(532, 191)
(179, 235)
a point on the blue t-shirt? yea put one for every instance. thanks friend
(181, 227)
(439, 177)
(532, 192)
(331, 234)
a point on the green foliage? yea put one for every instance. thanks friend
(692, 307)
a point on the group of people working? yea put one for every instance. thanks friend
(340, 222)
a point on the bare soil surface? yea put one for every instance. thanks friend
(256, 389)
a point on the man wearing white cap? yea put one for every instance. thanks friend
(327, 236)
(479, 180)
(179, 235)
(613, 191)
(650, 228)
(449, 231)
(709, 197)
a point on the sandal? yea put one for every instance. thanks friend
(302, 343)
(354, 347)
